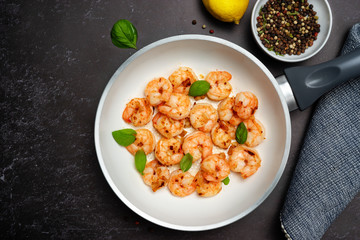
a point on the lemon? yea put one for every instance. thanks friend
(226, 10)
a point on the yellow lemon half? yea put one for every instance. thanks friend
(227, 10)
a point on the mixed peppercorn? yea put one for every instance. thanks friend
(211, 31)
(287, 26)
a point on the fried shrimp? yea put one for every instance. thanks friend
(188, 125)
(138, 112)
(167, 126)
(246, 103)
(158, 91)
(206, 188)
(222, 134)
(256, 132)
(144, 140)
(178, 106)
(220, 88)
(156, 175)
(182, 79)
(181, 183)
(215, 167)
(226, 111)
(168, 151)
(244, 160)
(198, 144)
(203, 117)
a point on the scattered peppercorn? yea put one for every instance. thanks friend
(193, 22)
(211, 31)
(287, 26)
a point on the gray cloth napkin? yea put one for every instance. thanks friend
(327, 175)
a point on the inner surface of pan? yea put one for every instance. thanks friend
(203, 54)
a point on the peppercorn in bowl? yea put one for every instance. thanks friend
(291, 30)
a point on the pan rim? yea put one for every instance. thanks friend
(182, 38)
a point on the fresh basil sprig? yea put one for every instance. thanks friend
(241, 133)
(124, 34)
(199, 88)
(140, 161)
(226, 181)
(124, 137)
(186, 162)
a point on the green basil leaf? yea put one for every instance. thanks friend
(140, 161)
(124, 137)
(199, 88)
(124, 34)
(241, 133)
(186, 162)
(128, 131)
(226, 181)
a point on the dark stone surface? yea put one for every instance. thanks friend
(56, 58)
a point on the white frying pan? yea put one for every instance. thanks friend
(203, 54)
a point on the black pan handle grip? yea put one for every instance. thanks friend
(309, 83)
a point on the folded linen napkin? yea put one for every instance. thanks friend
(327, 175)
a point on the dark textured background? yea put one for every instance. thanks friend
(56, 58)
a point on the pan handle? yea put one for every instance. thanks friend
(309, 83)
